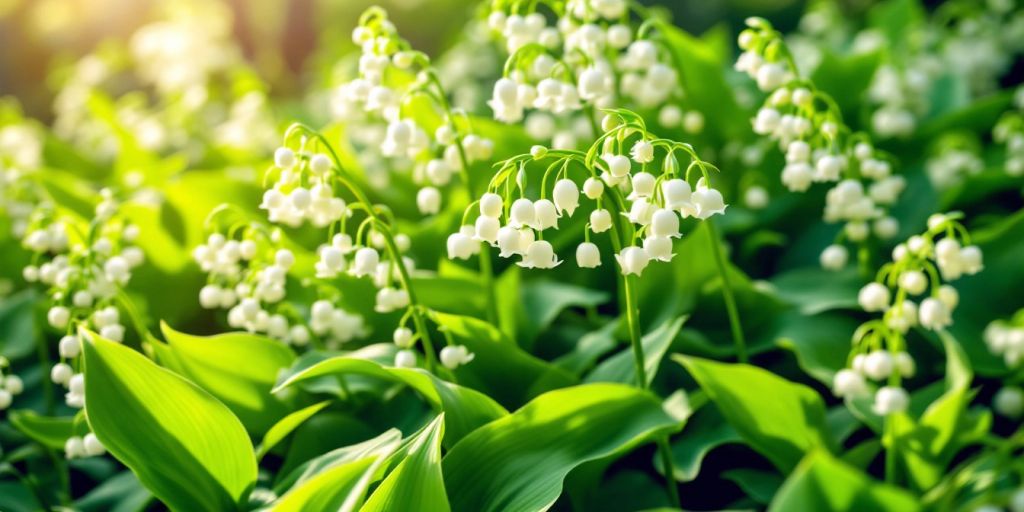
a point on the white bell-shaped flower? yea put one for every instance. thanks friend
(365, 263)
(873, 297)
(707, 202)
(454, 356)
(632, 260)
(848, 383)
(878, 365)
(405, 359)
(491, 205)
(913, 281)
(641, 212)
(593, 188)
(566, 195)
(642, 152)
(508, 241)
(618, 165)
(461, 246)
(834, 257)
(594, 83)
(522, 213)
(643, 185)
(658, 248)
(677, 194)
(546, 214)
(486, 229)
(588, 255)
(934, 315)
(889, 400)
(539, 254)
(600, 220)
(428, 200)
(664, 223)
(505, 101)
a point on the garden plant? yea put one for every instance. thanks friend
(568, 255)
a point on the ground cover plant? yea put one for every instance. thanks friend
(571, 256)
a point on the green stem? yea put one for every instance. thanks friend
(889, 442)
(487, 274)
(61, 468)
(635, 339)
(389, 240)
(665, 452)
(730, 299)
(44, 363)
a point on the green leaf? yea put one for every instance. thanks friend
(705, 431)
(520, 461)
(185, 446)
(338, 480)
(465, 409)
(416, 483)
(500, 368)
(758, 484)
(822, 482)
(122, 493)
(286, 426)
(239, 369)
(51, 432)
(622, 368)
(845, 78)
(540, 302)
(927, 446)
(781, 428)
(803, 288)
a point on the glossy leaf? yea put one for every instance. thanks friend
(185, 446)
(416, 483)
(781, 428)
(821, 482)
(519, 462)
(465, 409)
(243, 385)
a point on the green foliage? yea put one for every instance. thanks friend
(137, 408)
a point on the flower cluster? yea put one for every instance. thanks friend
(1005, 339)
(641, 210)
(819, 148)
(952, 164)
(21, 149)
(1010, 132)
(385, 85)
(85, 275)
(592, 56)
(919, 268)
(199, 82)
(10, 385)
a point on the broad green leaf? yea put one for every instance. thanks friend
(239, 369)
(464, 408)
(520, 461)
(339, 479)
(928, 445)
(758, 484)
(500, 368)
(416, 483)
(185, 446)
(540, 302)
(589, 348)
(48, 431)
(704, 431)
(622, 368)
(122, 493)
(17, 326)
(780, 419)
(286, 426)
(821, 482)
(820, 342)
(803, 288)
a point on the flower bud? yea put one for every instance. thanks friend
(834, 257)
(889, 400)
(873, 297)
(593, 188)
(428, 200)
